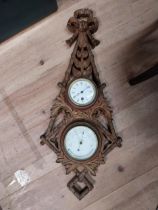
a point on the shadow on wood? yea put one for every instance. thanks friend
(142, 61)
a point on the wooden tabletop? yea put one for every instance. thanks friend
(31, 65)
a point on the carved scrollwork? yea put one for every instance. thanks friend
(98, 114)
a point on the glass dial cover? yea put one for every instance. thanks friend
(82, 92)
(80, 142)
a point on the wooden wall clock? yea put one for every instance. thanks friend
(80, 130)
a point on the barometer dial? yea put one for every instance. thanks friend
(81, 142)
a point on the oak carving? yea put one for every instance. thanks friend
(64, 114)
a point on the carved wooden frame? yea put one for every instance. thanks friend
(98, 115)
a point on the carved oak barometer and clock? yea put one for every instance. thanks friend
(80, 130)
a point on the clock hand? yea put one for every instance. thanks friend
(82, 91)
(85, 89)
(77, 94)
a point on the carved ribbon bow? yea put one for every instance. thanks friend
(83, 22)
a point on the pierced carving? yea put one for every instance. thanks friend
(97, 115)
(80, 178)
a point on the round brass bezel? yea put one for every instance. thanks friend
(81, 106)
(81, 123)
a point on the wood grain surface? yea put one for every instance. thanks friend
(31, 65)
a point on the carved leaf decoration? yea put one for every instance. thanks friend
(83, 25)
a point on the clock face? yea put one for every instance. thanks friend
(82, 92)
(81, 142)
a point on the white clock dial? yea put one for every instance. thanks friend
(81, 142)
(82, 92)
